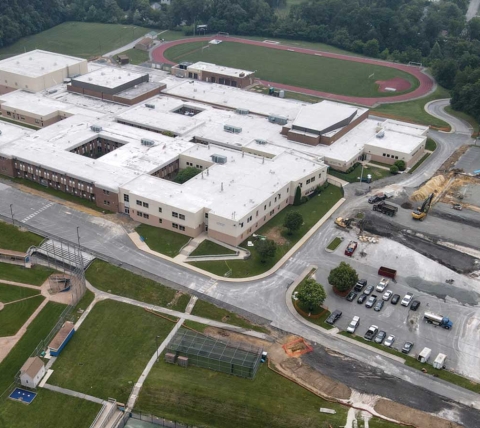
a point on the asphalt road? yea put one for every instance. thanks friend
(266, 298)
(472, 9)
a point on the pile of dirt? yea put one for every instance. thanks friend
(275, 234)
(407, 205)
(434, 185)
(407, 415)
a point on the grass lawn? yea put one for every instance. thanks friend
(10, 293)
(136, 56)
(210, 311)
(334, 244)
(12, 238)
(465, 117)
(36, 332)
(312, 212)
(115, 280)
(293, 68)
(14, 315)
(352, 177)
(82, 39)
(59, 194)
(414, 167)
(414, 111)
(37, 275)
(431, 145)
(412, 362)
(109, 352)
(83, 304)
(162, 241)
(19, 123)
(48, 410)
(209, 248)
(386, 165)
(202, 397)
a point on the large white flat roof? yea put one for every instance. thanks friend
(232, 98)
(37, 63)
(10, 132)
(247, 182)
(219, 69)
(394, 138)
(109, 77)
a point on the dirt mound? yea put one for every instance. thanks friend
(396, 83)
(434, 185)
(275, 234)
(407, 415)
(407, 205)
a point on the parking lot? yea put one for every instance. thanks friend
(470, 160)
(419, 276)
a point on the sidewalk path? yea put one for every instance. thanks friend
(73, 393)
(426, 83)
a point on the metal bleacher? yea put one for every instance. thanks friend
(63, 254)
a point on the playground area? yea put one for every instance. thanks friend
(364, 81)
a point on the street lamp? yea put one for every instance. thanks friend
(78, 237)
(11, 212)
(156, 343)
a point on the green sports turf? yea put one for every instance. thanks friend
(10, 293)
(291, 68)
(12, 238)
(106, 356)
(36, 275)
(14, 315)
(82, 39)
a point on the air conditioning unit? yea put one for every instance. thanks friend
(277, 119)
(232, 129)
(263, 142)
(146, 142)
(219, 159)
(96, 128)
(150, 105)
(242, 111)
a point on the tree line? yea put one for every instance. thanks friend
(435, 34)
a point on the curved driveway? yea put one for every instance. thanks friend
(425, 87)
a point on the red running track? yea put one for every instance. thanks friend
(425, 87)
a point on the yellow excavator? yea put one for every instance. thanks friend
(421, 212)
(344, 223)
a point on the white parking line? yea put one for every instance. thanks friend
(37, 212)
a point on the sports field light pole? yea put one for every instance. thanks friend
(11, 212)
(361, 175)
(156, 343)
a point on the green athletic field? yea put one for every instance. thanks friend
(291, 68)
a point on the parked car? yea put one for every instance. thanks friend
(378, 306)
(382, 285)
(380, 337)
(415, 305)
(407, 299)
(371, 301)
(362, 298)
(368, 289)
(376, 198)
(351, 296)
(407, 347)
(395, 299)
(361, 283)
(386, 296)
(334, 316)
(371, 332)
(353, 324)
(389, 340)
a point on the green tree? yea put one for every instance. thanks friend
(401, 165)
(293, 221)
(266, 249)
(436, 52)
(343, 277)
(312, 294)
(394, 169)
(371, 48)
(445, 72)
(186, 174)
(298, 196)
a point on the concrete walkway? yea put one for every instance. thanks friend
(73, 393)
(141, 245)
(138, 386)
(334, 331)
(100, 295)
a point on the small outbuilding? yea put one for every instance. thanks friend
(145, 44)
(61, 338)
(32, 372)
(123, 59)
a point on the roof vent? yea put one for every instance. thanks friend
(150, 105)
(96, 128)
(380, 134)
(146, 142)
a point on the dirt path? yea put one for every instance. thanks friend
(425, 87)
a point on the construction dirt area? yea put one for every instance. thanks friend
(298, 369)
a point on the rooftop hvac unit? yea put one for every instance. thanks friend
(277, 119)
(242, 111)
(380, 134)
(261, 142)
(232, 129)
(96, 128)
(146, 142)
(182, 361)
(219, 159)
(150, 105)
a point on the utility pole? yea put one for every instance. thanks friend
(156, 343)
(11, 212)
